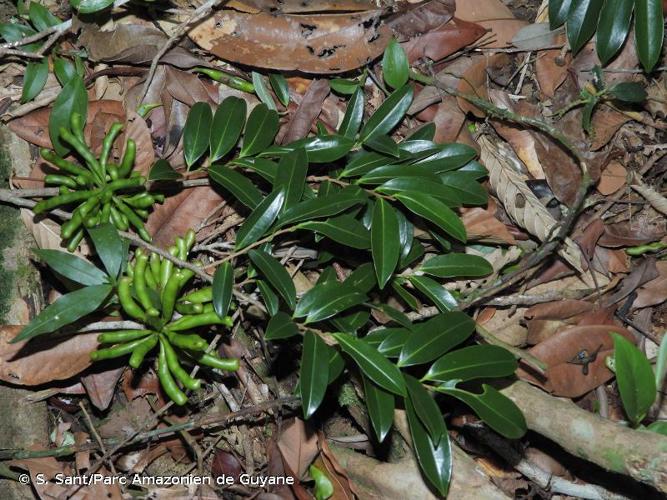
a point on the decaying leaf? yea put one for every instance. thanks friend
(298, 446)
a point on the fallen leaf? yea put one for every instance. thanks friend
(308, 110)
(642, 273)
(420, 18)
(101, 385)
(444, 41)
(543, 320)
(653, 292)
(638, 231)
(298, 446)
(127, 420)
(612, 178)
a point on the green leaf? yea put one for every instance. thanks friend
(497, 410)
(323, 486)
(613, 28)
(280, 87)
(265, 168)
(336, 364)
(280, 327)
(362, 278)
(363, 162)
(649, 31)
(452, 265)
(227, 126)
(73, 98)
(13, 32)
(435, 211)
(34, 78)
(344, 86)
(162, 171)
(587, 115)
(196, 132)
(351, 322)
(72, 267)
(380, 404)
(314, 373)
(383, 144)
(269, 296)
(354, 114)
(426, 408)
(558, 10)
(63, 69)
(661, 363)
(438, 294)
(390, 341)
(435, 461)
(635, 378)
(628, 92)
(40, 17)
(435, 189)
(291, 176)
(223, 285)
(395, 66)
(426, 132)
(262, 90)
(373, 364)
(659, 427)
(276, 274)
(237, 184)
(321, 207)
(260, 220)
(344, 229)
(405, 234)
(582, 21)
(389, 114)
(450, 157)
(325, 300)
(381, 175)
(324, 149)
(260, 130)
(67, 309)
(385, 243)
(473, 362)
(90, 6)
(435, 337)
(469, 191)
(109, 247)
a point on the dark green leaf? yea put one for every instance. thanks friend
(262, 91)
(469, 191)
(109, 247)
(582, 21)
(373, 364)
(40, 17)
(416, 252)
(291, 177)
(344, 229)
(587, 115)
(280, 87)
(497, 410)
(477, 361)
(260, 220)
(438, 294)
(389, 114)
(613, 28)
(324, 149)
(336, 364)
(326, 300)
(34, 78)
(227, 126)
(450, 157)
(362, 278)
(424, 133)
(385, 244)
(426, 408)
(649, 31)
(314, 373)
(395, 67)
(389, 341)
(269, 296)
(280, 326)
(452, 265)
(13, 32)
(72, 267)
(73, 98)
(435, 337)
(276, 274)
(474, 169)
(443, 193)
(354, 114)
(223, 285)
(237, 184)
(196, 132)
(363, 162)
(405, 295)
(395, 315)
(405, 234)
(380, 404)
(260, 130)
(380, 175)
(63, 69)
(382, 144)
(67, 309)
(628, 92)
(635, 379)
(265, 168)
(558, 10)
(90, 6)
(162, 171)
(321, 207)
(351, 322)
(435, 211)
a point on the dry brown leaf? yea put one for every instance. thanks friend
(639, 230)
(444, 41)
(612, 178)
(127, 420)
(308, 110)
(653, 292)
(101, 386)
(298, 446)
(482, 225)
(657, 201)
(642, 273)
(481, 10)
(420, 18)
(343, 487)
(543, 320)
(551, 70)
(606, 122)
(505, 324)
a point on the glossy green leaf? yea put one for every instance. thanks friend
(314, 373)
(109, 247)
(474, 169)
(354, 114)
(435, 461)
(336, 365)
(63, 69)
(344, 229)
(263, 167)
(223, 288)
(435, 337)
(635, 378)
(280, 326)
(449, 157)
(381, 175)
(416, 252)
(351, 322)
(628, 92)
(344, 86)
(408, 297)
(395, 66)
(280, 87)
(649, 31)
(162, 171)
(373, 364)
(473, 362)
(270, 297)
(260, 220)
(447, 195)
(325, 149)
(661, 363)
(382, 144)
(227, 126)
(469, 191)
(393, 341)
(496, 409)
(582, 20)
(362, 278)
(405, 234)
(40, 17)
(613, 28)
(90, 6)
(438, 294)
(426, 408)
(394, 315)
(323, 486)
(291, 177)
(196, 132)
(13, 32)
(260, 130)
(659, 427)
(380, 404)
(34, 78)
(326, 300)
(237, 184)
(73, 98)
(262, 90)
(389, 114)
(321, 207)
(72, 267)
(363, 162)
(424, 133)
(276, 274)
(385, 243)
(452, 265)
(558, 10)
(434, 211)
(67, 309)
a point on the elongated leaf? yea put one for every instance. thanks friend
(438, 294)
(34, 78)
(90, 6)
(363, 162)
(351, 322)
(389, 114)
(432, 339)
(63, 69)
(291, 176)
(72, 267)
(388, 341)
(435, 189)
(426, 133)
(260, 130)
(373, 364)
(321, 207)
(385, 242)
(227, 126)
(324, 148)
(237, 184)
(627, 92)
(613, 28)
(470, 192)
(329, 299)
(380, 404)
(581, 22)
(436, 212)
(362, 278)
(276, 274)
(196, 132)
(395, 67)
(336, 364)
(265, 168)
(558, 10)
(449, 157)
(262, 90)
(381, 175)
(426, 408)
(354, 114)
(280, 87)
(477, 361)
(260, 220)
(314, 373)
(661, 363)
(344, 86)
(223, 285)
(67, 309)
(452, 265)
(435, 461)
(72, 99)
(343, 229)
(649, 31)
(383, 144)
(497, 410)
(280, 326)
(40, 17)
(162, 171)
(269, 296)
(109, 247)
(635, 379)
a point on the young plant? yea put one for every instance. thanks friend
(101, 190)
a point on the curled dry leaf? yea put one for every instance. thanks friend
(308, 110)
(657, 201)
(642, 273)
(443, 41)
(43, 359)
(324, 43)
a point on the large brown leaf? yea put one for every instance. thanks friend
(419, 18)
(443, 41)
